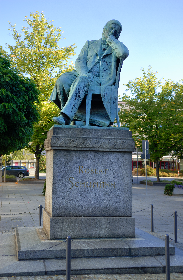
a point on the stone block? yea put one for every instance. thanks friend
(88, 227)
(89, 174)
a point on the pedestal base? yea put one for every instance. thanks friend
(88, 183)
(88, 227)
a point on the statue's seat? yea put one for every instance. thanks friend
(92, 111)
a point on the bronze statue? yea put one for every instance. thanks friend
(89, 94)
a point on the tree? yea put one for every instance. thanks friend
(36, 146)
(23, 154)
(154, 114)
(18, 110)
(36, 53)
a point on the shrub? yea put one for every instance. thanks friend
(141, 171)
(9, 177)
(169, 189)
(152, 172)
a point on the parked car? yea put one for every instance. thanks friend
(18, 171)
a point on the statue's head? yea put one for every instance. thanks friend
(112, 27)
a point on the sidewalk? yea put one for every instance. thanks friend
(19, 207)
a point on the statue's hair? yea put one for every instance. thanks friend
(111, 21)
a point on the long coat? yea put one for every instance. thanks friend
(103, 64)
(111, 61)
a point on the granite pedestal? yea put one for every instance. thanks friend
(88, 183)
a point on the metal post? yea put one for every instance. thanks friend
(137, 165)
(68, 258)
(5, 170)
(145, 166)
(175, 226)
(167, 257)
(40, 214)
(152, 225)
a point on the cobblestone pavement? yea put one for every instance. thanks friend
(173, 276)
(163, 212)
(19, 207)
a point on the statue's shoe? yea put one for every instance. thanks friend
(59, 119)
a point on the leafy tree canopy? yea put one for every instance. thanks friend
(36, 54)
(154, 113)
(18, 110)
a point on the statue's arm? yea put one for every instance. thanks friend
(81, 61)
(119, 48)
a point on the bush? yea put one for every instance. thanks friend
(169, 189)
(141, 171)
(9, 177)
(152, 172)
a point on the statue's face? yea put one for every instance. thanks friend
(113, 29)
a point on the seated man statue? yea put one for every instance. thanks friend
(89, 94)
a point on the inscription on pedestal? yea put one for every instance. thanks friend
(95, 183)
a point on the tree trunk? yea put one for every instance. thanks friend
(37, 155)
(5, 171)
(37, 167)
(157, 170)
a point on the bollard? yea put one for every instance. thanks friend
(152, 225)
(68, 258)
(40, 214)
(167, 257)
(175, 226)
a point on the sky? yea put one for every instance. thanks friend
(152, 30)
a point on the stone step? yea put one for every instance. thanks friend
(88, 266)
(32, 244)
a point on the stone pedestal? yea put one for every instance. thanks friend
(88, 183)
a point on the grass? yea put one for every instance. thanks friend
(9, 177)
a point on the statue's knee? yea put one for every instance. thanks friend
(66, 79)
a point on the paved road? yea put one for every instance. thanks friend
(19, 207)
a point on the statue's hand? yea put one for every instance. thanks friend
(110, 39)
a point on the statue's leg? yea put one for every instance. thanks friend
(61, 90)
(88, 107)
(78, 91)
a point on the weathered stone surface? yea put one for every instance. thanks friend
(90, 178)
(88, 227)
(34, 245)
(89, 138)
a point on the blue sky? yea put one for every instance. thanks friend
(152, 30)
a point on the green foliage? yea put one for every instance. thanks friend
(22, 154)
(36, 53)
(44, 188)
(169, 189)
(152, 172)
(7, 159)
(40, 129)
(9, 177)
(175, 182)
(155, 114)
(42, 164)
(18, 110)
